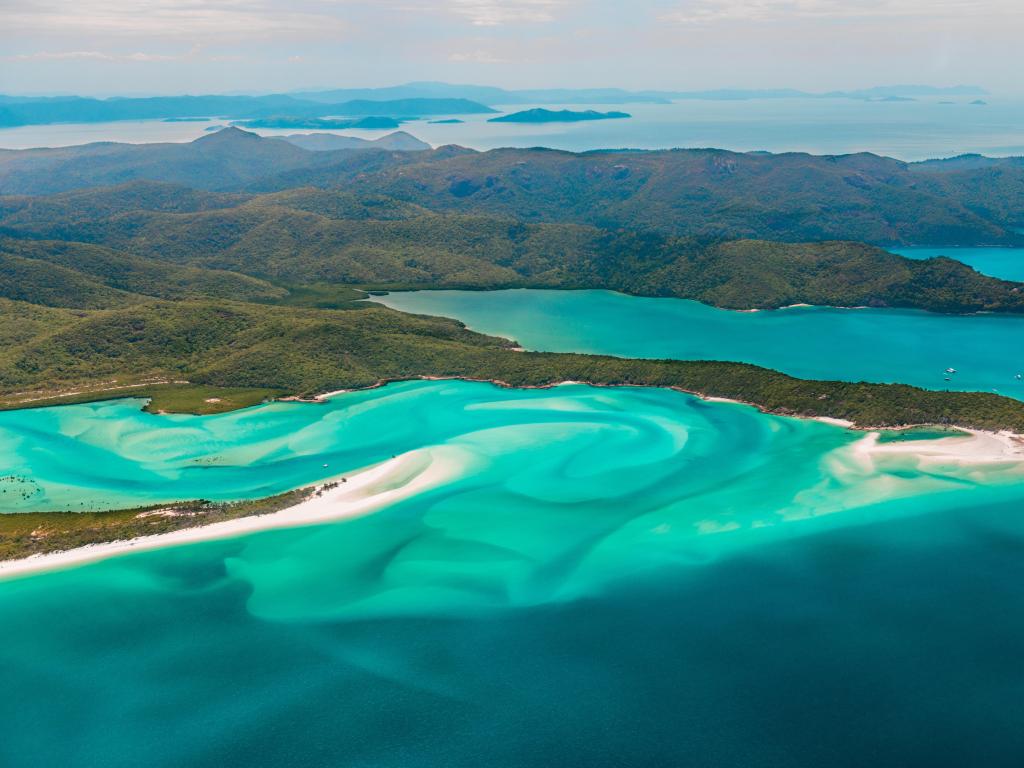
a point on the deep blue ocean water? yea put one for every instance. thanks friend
(606, 577)
(610, 578)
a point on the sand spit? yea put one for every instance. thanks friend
(359, 494)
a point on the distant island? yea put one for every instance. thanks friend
(449, 121)
(371, 123)
(27, 110)
(557, 116)
(427, 100)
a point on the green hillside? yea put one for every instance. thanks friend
(57, 273)
(310, 236)
(705, 193)
(702, 192)
(172, 290)
(306, 351)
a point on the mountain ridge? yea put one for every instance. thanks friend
(693, 192)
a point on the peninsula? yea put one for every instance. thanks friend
(540, 115)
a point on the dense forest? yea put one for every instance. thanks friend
(45, 351)
(249, 288)
(311, 236)
(693, 192)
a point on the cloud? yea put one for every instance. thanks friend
(168, 18)
(705, 11)
(490, 13)
(91, 56)
(484, 13)
(477, 57)
(62, 55)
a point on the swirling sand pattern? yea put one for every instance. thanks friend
(583, 589)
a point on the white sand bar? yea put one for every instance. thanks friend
(362, 492)
(974, 447)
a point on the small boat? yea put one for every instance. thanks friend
(951, 370)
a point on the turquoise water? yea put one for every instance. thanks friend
(611, 577)
(908, 130)
(880, 345)
(1005, 263)
(114, 455)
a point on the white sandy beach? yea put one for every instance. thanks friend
(974, 447)
(363, 492)
(844, 423)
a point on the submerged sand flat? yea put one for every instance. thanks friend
(630, 567)
(671, 465)
(340, 498)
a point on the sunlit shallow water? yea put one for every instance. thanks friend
(609, 578)
(880, 345)
(612, 577)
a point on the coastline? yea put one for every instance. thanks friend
(360, 493)
(975, 446)
(367, 490)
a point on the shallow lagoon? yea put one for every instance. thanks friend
(616, 577)
(113, 454)
(881, 345)
(610, 577)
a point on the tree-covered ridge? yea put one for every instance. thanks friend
(307, 351)
(68, 274)
(715, 193)
(306, 236)
(694, 192)
(150, 284)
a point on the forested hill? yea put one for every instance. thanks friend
(213, 283)
(699, 192)
(708, 192)
(308, 236)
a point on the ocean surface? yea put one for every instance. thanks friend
(912, 130)
(605, 577)
(613, 577)
(880, 345)
(1004, 263)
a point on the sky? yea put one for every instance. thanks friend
(139, 47)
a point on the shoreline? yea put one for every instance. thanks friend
(360, 493)
(367, 490)
(323, 397)
(974, 446)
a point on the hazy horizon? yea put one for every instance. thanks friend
(171, 47)
(483, 84)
